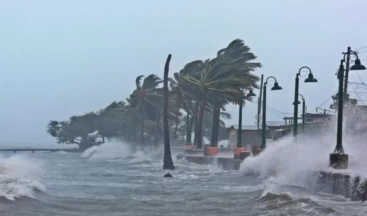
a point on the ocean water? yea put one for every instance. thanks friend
(110, 180)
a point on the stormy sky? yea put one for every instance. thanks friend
(61, 58)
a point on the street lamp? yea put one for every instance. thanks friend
(357, 66)
(263, 131)
(338, 159)
(310, 79)
(303, 112)
(239, 148)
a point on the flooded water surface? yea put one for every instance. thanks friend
(97, 183)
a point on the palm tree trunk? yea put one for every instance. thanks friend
(188, 129)
(196, 122)
(131, 123)
(156, 126)
(217, 124)
(200, 124)
(214, 125)
(133, 131)
(167, 158)
(134, 127)
(176, 120)
(189, 122)
(192, 122)
(142, 129)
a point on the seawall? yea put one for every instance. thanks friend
(342, 184)
(339, 183)
(222, 162)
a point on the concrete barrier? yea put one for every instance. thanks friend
(342, 184)
(222, 162)
(225, 163)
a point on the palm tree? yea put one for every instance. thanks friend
(146, 98)
(167, 158)
(211, 82)
(132, 119)
(113, 121)
(223, 77)
(201, 87)
(180, 89)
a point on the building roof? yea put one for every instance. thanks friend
(311, 115)
(275, 123)
(246, 127)
(317, 115)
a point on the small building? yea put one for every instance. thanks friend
(251, 135)
(315, 123)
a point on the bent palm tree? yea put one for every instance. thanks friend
(146, 98)
(223, 77)
(181, 90)
(167, 158)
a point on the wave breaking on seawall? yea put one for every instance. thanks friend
(109, 150)
(19, 177)
(287, 162)
(114, 150)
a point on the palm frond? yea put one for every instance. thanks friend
(225, 115)
(138, 81)
(152, 81)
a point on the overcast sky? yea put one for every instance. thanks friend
(61, 58)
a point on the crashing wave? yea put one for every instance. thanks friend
(287, 162)
(139, 157)
(110, 150)
(19, 177)
(278, 197)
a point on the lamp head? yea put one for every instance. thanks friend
(251, 93)
(276, 87)
(357, 65)
(310, 78)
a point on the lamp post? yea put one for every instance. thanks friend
(338, 159)
(303, 112)
(263, 126)
(239, 148)
(310, 79)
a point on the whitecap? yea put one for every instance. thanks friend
(108, 151)
(19, 177)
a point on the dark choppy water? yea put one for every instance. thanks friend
(68, 184)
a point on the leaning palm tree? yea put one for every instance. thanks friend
(181, 91)
(208, 82)
(145, 98)
(224, 76)
(130, 107)
(167, 158)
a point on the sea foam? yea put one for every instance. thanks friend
(19, 177)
